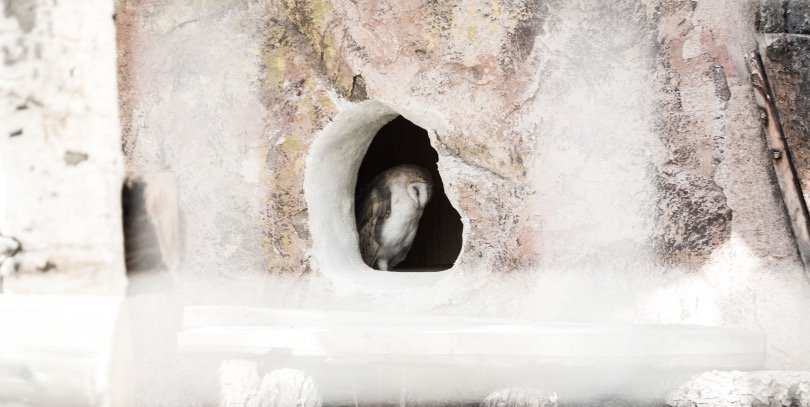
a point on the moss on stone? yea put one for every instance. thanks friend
(311, 18)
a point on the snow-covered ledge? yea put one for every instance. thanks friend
(329, 185)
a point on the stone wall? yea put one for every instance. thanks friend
(607, 160)
(61, 167)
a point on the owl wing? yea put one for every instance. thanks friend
(375, 209)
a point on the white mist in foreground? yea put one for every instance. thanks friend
(55, 349)
(378, 357)
(594, 202)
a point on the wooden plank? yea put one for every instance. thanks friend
(439, 339)
(381, 358)
(782, 160)
(220, 315)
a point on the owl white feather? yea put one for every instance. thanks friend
(390, 210)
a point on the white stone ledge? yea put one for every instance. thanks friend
(341, 348)
(346, 335)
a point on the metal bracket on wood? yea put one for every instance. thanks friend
(782, 160)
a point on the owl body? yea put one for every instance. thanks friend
(390, 210)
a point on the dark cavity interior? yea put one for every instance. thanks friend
(438, 240)
(141, 249)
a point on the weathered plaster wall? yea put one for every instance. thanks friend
(61, 167)
(607, 159)
(198, 113)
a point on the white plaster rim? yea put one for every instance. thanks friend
(329, 183)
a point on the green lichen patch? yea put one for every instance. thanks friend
(295, 93)
(312, 19)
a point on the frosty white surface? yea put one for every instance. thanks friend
(421, 350)
(55, 350)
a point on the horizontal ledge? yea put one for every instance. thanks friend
(363, 337)
(203, 316)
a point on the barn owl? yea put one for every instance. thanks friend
(390, 209)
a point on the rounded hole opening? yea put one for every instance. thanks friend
(438, 239)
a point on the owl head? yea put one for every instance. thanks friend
(419, 192)
(419, 184)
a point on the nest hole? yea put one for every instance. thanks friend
(438, 239)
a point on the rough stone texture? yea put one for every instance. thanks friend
(790, 16)
(61, 168)
(607, 158)
(289, 387)
(700, 126)
(771, 16)
(694, 218)
(519, 397)
(726, 389)
(289, 104)
(787, 63)
(239, 383)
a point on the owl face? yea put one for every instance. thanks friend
(419, 193)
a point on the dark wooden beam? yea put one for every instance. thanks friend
(781, 158)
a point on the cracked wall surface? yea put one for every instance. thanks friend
(61, 168)
(607, 159)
